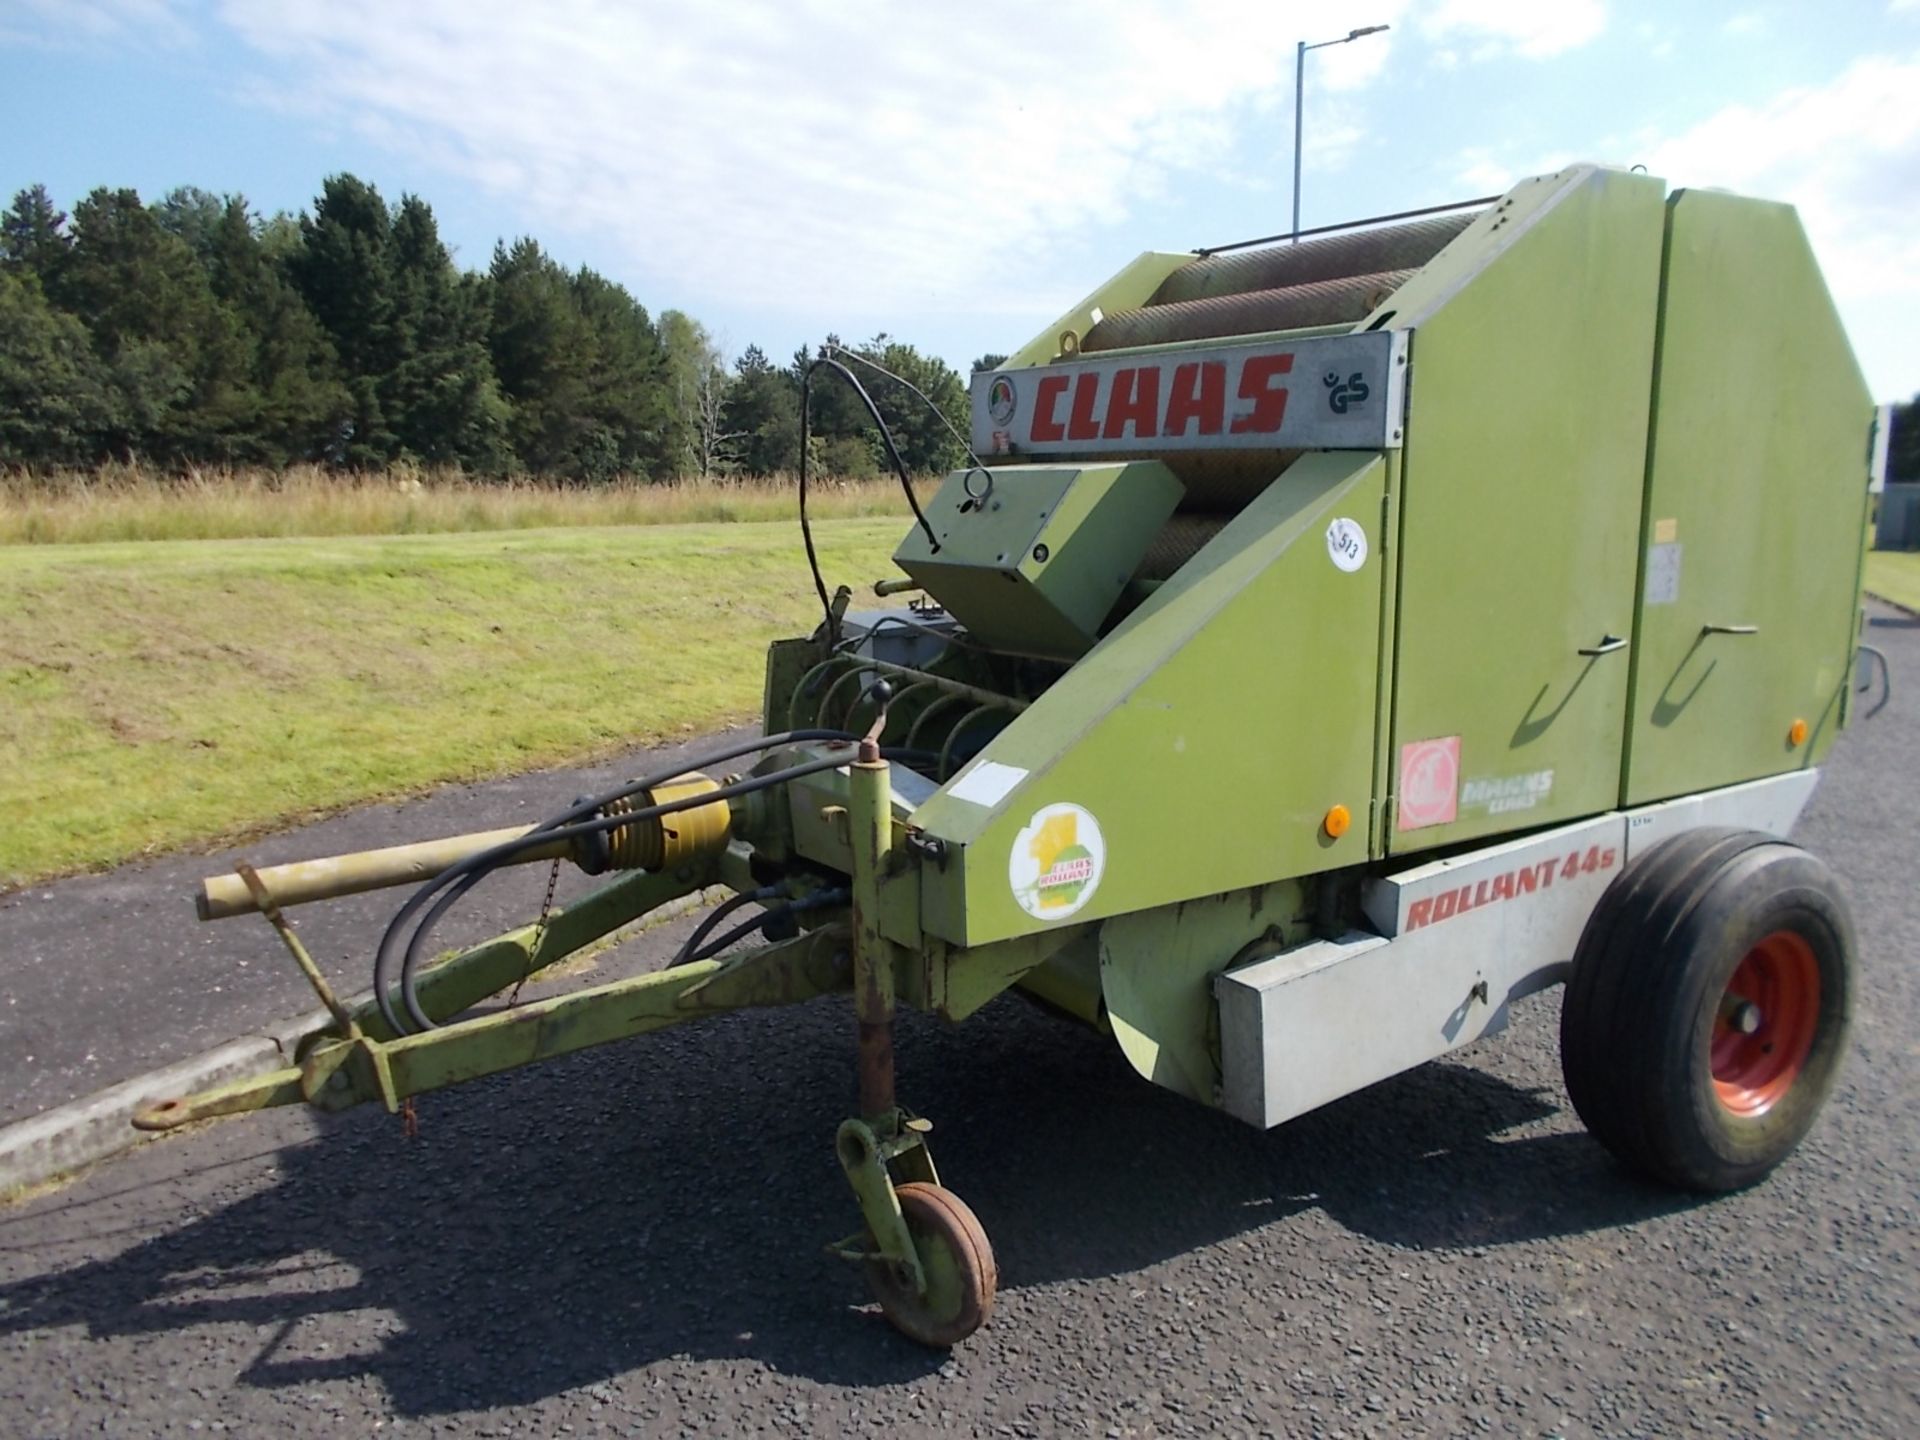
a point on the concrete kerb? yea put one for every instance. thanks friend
(1906, 610)
(96, 1127)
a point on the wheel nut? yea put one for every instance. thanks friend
(1744, 1017)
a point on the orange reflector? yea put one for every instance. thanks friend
(1337, 821)
(1797, 733)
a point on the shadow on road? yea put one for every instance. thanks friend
(563, 1226)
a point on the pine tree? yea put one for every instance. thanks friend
(441, 396)
(343, 272)
(176, 354)
(33, 237)
(539, 348)
(301, 406)
(763, 407)
(627, 382)
(55, 403)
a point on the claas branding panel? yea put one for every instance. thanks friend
(1334, 392)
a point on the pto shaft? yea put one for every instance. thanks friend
(303, 881)
(661, 842)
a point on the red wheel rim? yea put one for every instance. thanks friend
(1765, 1024)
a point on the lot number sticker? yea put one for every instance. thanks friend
(1347, 544)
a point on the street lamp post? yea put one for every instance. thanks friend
(1299, 90)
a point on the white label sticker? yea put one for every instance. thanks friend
(988, 783)
(1056, 862)
(1347, 544)
(1663, 573)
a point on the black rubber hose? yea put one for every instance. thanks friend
(476, 869)
(816, 901)
(490, 859)
(719, 913)
(893, 454)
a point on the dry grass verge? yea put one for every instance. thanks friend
(129, 502)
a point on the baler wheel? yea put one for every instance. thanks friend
(959, 1264)
(1707, 1012)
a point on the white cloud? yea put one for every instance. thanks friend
(78, 22)
(808, 154)
(1846, 155)
(1536, 29)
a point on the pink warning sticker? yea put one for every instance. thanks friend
(1429, 789)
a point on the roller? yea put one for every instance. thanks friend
(1223, 481)
(1277, 267)
(1179, 541)
(1323, 302)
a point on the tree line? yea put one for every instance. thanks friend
(195, 331)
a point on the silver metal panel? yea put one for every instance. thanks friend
(1335, 392)
(1459, 941)
(1461, 888)
(1771, 806)
(1462, 939)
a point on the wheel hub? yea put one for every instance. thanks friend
(1765, 1024)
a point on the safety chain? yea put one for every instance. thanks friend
(539, 934)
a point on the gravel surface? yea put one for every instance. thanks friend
(629, 1241)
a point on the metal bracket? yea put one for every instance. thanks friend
(327, 1084)
(264, 901)
(868, 1155)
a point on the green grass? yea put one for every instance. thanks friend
(1895, 575)
(159, 695)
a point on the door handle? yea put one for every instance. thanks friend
(1729, 629)
(1608, 644)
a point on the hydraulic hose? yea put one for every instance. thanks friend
(551, 829)
(818, 900)
(471, 872)
(720, 912)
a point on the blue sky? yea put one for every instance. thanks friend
(960, 174)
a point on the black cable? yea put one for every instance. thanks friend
(893, 454)
(715, 916)
(819, 899)
(490, 860)
(828, 624)
(925, 399)
(549, 829)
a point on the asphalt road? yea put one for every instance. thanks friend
(630, 1241)
(104, 977)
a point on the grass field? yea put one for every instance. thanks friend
(155, 695)
(163, 694)
(128, 502)
(1895, 575)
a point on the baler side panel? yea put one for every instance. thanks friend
(1757, 496)
(1207, 736)
(1523, 471)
